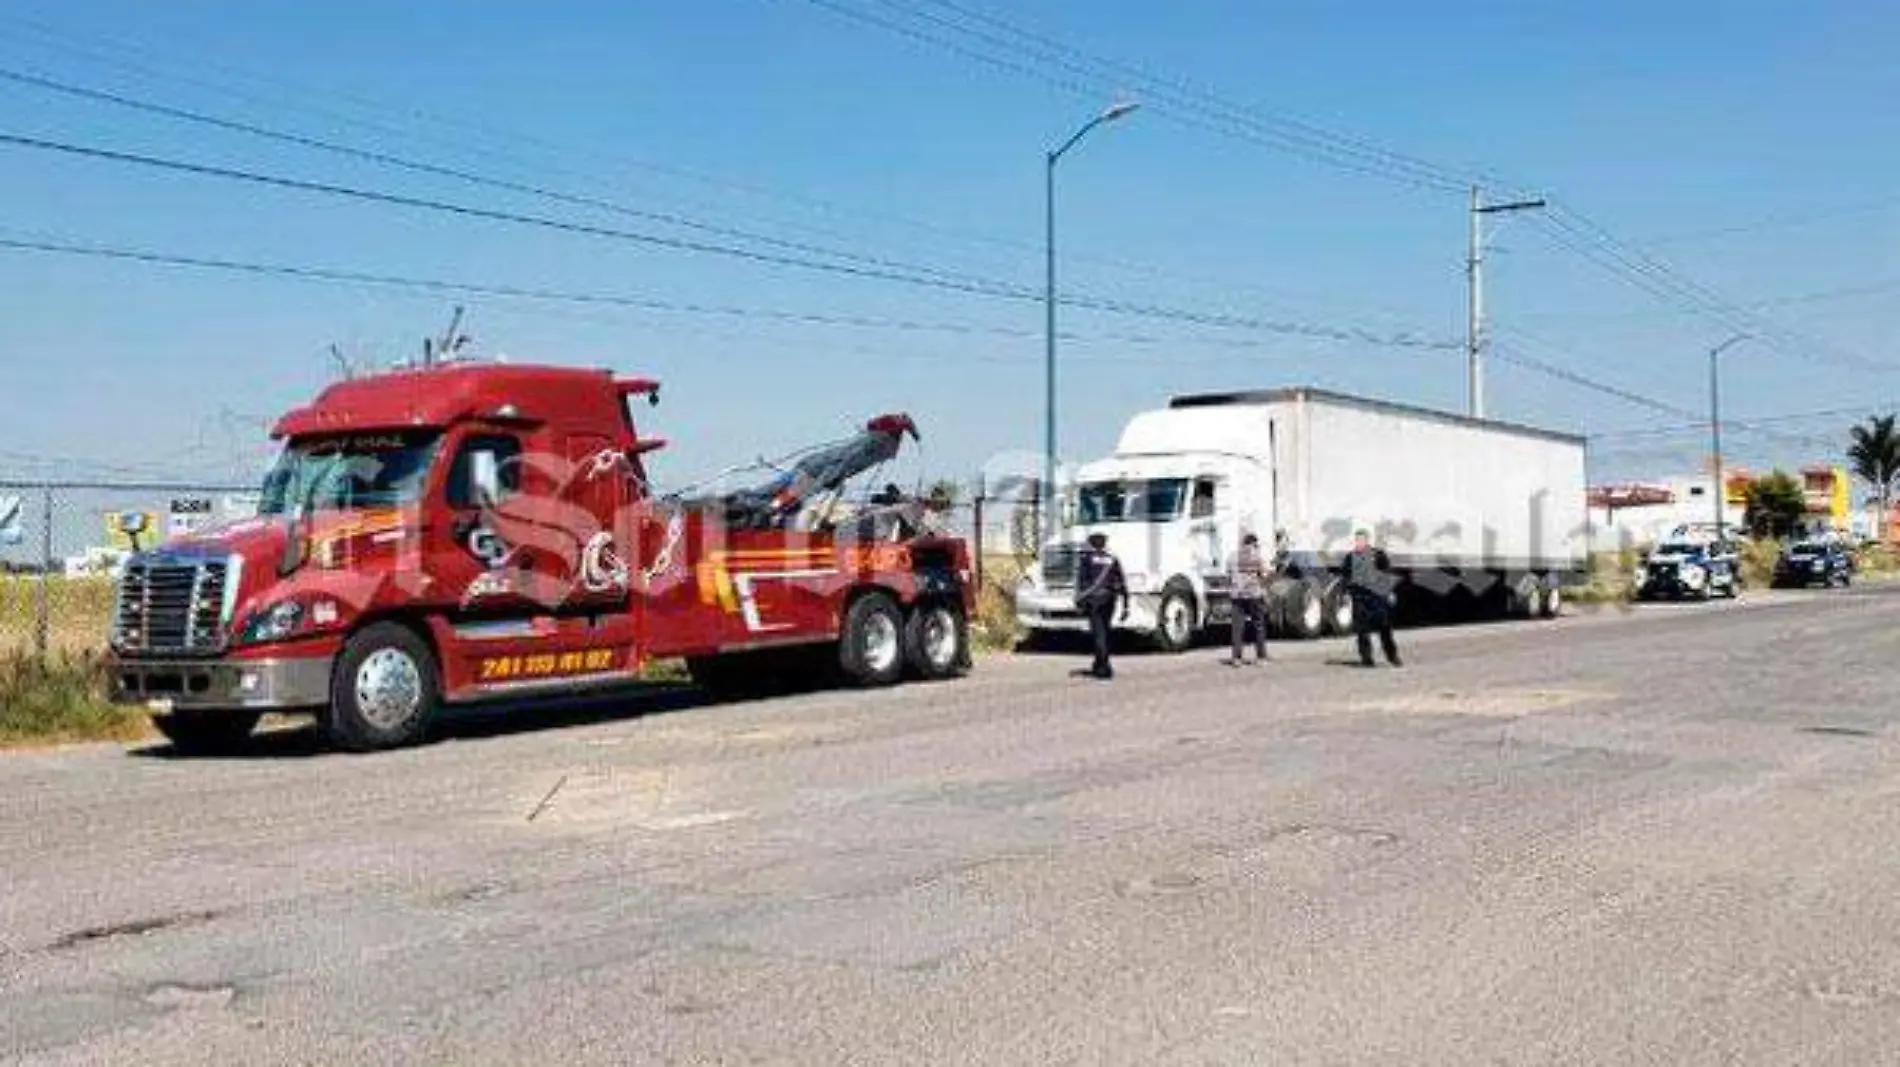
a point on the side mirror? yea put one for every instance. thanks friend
(485, 479)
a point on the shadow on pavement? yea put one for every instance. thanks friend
(472, 722)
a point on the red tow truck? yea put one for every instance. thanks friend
(474, 531)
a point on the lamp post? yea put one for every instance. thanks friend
(1047, 501)
(1715, 433)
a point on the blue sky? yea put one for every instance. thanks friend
(1750, 145)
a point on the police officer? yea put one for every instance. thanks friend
(1368, 574)
(1099, 587)
(1248, 597)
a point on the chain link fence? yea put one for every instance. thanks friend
(62, 543)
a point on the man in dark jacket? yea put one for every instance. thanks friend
(1099, 587)
(1369, 581)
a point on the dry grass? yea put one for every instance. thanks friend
(62, 699)
(1877, 562)
(80, 610)
(1756, 562)
(994, 629)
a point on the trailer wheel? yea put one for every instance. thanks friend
(1553, 600)
(1525, 600)
(871, 647)
(936, 641)
(206, 733)
(1176, 619)
(383, 691)
(1302, 612)
(1337, 604)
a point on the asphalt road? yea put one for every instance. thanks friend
(1666, 837)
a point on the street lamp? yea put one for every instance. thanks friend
(1049, 306)
(1715, 433)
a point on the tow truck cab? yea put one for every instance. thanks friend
(479, 530)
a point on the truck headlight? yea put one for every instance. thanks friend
(273, 623)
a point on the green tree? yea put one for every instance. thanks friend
(1776, 506)
(1874, 452)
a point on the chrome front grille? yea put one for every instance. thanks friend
(171, 608)
(1058, 566)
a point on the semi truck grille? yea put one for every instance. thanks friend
(171, 608)
(1058, 566)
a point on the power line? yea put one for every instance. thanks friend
(45, 36)
(1571, 230)
(542, 294)
(1576, 232)
(1778, 222)
(1297, 131)
(449, 207)
(438, 170)
(1702, 425)
(1222, 118)
(976, 287)
(1522, 359)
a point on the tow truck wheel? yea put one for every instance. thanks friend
(935, 638)
(871, 648)
(383, 691)
(204, 733)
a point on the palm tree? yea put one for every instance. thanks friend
(1874, 451)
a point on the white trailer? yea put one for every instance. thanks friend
(1477, 516)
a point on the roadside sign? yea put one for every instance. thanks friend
(240, 505)
(123, 526)
(188, 514)
(12, 520)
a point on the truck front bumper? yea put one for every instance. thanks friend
(253, 684)
(1041, 609)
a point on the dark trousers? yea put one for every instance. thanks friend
(1370, 617)
(1250, 610)
(1101, 618)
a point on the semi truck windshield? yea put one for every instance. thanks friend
(348, 472)
(1151, 501)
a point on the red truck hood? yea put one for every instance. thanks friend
(366, 541)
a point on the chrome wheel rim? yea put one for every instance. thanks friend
(1555, 602)
(940, 637)
(880, 643)
(388, 687)
(1314, 615)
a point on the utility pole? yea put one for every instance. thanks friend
(1474, 296)
(1715, 434)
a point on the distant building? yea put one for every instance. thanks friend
(1643, 513)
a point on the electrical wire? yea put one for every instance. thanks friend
(531, 293)
(983, 288)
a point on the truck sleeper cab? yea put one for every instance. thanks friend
(478, 531)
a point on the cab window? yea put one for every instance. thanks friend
(486, 472)
(1202, 505)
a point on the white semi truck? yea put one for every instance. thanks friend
(1478, 517)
